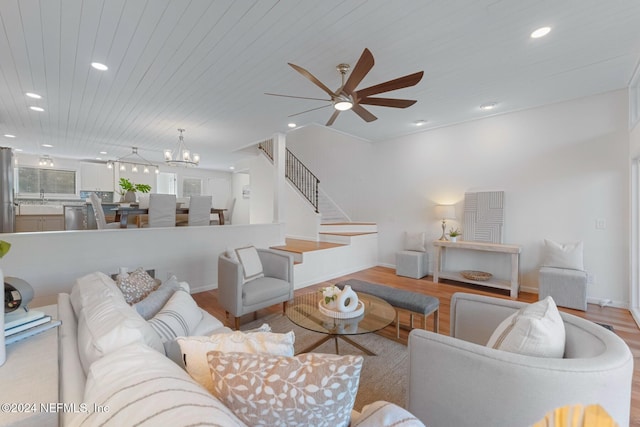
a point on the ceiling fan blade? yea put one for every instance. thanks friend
(399, 83)
(388, 102)
(306, 111)
(313, 79)
(297, 97)
(333, 117)
(363, 113)
(362, 68)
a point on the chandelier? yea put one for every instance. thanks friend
(181, 156)
(136, 161)
(44, 161)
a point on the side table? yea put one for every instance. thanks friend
(29, 378)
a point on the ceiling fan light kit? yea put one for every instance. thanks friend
(346, 97)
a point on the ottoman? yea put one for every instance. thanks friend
(412, 264)
(568, 288)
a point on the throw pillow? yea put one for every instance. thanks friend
(385, 414)
(414, 242)
(136, 285)
(251, 264)
(179, 316)
(139, 386)
(567, 255)
(310, 389)
(194, 349)
(149, 306)
(534, 330)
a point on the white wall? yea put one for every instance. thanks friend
(561, 166)
(241, 210)
(262, 190)
(51, 261)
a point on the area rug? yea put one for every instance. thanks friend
(383, 377)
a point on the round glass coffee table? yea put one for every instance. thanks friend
(304, 312)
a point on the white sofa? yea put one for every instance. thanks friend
(457, 381)
(108, 353)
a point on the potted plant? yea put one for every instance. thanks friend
(129, 190)
(454, 233)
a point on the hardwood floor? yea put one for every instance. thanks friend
(620, 319)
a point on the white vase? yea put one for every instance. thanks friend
(454, 238)
(3, 353)
(347, 300)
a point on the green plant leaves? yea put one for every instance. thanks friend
(4, 248)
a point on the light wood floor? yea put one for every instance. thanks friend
(620, 319)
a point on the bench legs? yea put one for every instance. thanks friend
(436, 321)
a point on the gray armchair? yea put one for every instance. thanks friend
(240, 298)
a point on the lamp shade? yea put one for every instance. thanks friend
(445, 212)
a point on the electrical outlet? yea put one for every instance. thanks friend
(601, 223)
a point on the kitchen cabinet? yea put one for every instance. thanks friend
(96, 177)
(27, 223)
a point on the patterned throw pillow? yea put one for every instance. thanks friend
(310, 389)
(136, 286)
(179, 316)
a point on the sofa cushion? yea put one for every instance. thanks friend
(535, 330)
(194, 349)
(384, 414)
(563, 255)
(179, 317)
(136, 285)
(139, 386)
(106, 322)
(149, 306)
(310, 389)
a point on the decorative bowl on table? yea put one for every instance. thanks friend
(476, 275)
(340, 304)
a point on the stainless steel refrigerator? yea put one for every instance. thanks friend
(7, 206)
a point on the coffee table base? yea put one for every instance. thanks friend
(335, 338)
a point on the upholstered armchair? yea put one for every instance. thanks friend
(240, 297)
(458, 381)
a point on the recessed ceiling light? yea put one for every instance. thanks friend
(232, 167)
(98, 158)
(291, 125)
(540, 32)
(99, 66)
(103, 152)
(36, 108)
(488, 106)
(47, 145)
(17, 149)
(8, 135)
(33, 95)
(420, 122)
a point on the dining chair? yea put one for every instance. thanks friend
(199, 211)
(162, 210)
(101, 220)
(143, 203)
(228, 213)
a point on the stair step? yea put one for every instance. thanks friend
(300, 246)
(348, 233)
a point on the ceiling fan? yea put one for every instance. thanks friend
(346, 97)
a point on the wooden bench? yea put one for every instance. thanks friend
(412, 302)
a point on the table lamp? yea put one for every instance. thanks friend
(445, 212)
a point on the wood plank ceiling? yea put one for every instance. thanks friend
(204, 65)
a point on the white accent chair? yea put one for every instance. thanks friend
(457, 381)
(199, 211)
(101, 220)
(162, 210)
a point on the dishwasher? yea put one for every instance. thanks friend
(75, 217)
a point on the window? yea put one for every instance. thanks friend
(48, 181)
(191, 187)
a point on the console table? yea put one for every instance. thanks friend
(513, 251)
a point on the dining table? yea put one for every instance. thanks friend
(123, 212)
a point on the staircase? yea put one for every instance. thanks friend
(341, 246)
